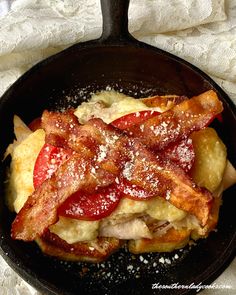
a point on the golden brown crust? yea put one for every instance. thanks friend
(211, 223)
(92, 251)
(173, 239)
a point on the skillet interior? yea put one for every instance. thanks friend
(139, 70)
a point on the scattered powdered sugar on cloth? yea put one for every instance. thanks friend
(200, 31)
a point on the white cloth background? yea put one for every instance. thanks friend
(200, 31)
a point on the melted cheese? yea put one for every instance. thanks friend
(127, 208)
(157, 208)
(109, 106)
(73, 230)
(20, 182)
(160, 209)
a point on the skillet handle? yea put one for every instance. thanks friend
(115, 21)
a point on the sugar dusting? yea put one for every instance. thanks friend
(124, 266)
(185, 155)
(72, 98)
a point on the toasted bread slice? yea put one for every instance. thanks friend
(211, 223)
(176, 238)
(173, 239)
(93, 251)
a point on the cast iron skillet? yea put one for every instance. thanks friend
(117, 60)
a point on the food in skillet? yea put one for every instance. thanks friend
(146, 172)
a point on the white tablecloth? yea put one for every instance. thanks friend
(200, 31)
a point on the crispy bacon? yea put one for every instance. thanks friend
(63, 130)
(165, 179)
(102, 153)
(182, 153)
(177, 123)
(40, 210)
(95, 137)
(163, 102)
(84, 170)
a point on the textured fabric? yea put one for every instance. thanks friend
(200, 31)
(35, 29)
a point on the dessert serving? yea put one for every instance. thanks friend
(145, 173)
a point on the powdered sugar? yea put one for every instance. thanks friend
(112, 197)
(124, 266)
(75, 210)
(128, 170)
(102, 153)
(168, 195)
(166, 130)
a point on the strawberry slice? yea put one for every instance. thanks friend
(132, 119)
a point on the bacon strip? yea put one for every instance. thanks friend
(165, 179)
(95, 138)
(163, 101)
(84, 171)
(64, 130)
(40, 210)
(177, 123)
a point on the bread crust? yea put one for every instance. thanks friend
(173, 239)
(93, 251)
